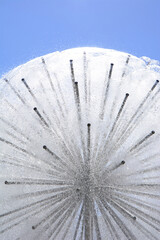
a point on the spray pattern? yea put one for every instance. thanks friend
(79, 147)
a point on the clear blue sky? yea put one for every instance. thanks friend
(31, 28)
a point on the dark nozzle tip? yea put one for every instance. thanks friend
(77, 190)
(123, 162)
(153, 132)
(134, 218)
(112, 64)
(33, 227)
(34, 108)
(44, 147)
(5, 79)
(22, 79)
(127, 94)
(88, 124)
(6, 182)
(157, 81)
(43, 61)
(71, 60)
(76, 83)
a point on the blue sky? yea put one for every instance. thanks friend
(31, 28)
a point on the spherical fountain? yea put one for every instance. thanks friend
(79, 147)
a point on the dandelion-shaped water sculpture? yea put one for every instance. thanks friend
(79, 147)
